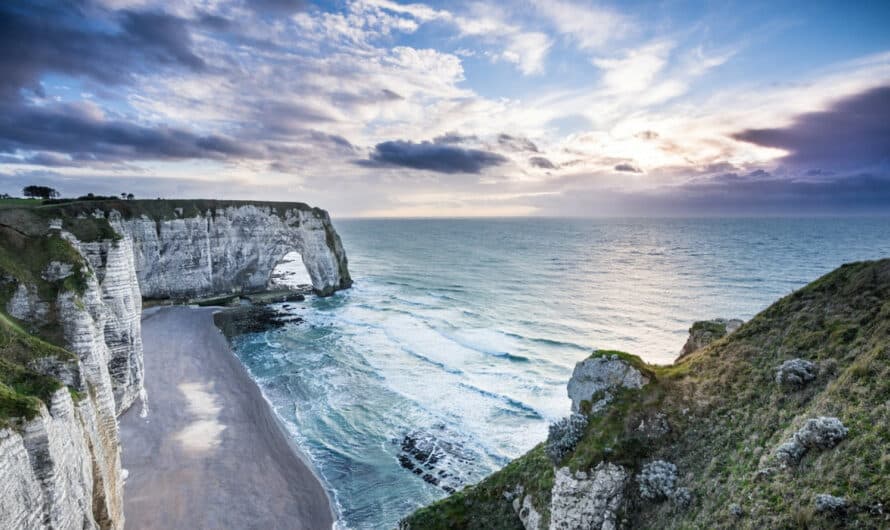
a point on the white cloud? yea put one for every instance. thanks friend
(526, 49)
(590, 27)
(637, 69)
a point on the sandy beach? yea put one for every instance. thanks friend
(210, 453)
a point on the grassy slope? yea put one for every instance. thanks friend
(727, 416)
(21, 389)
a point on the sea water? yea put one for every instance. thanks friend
(451, 353)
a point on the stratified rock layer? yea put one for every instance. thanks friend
(231, 249)
(61, 468)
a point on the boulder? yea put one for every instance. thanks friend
(795, 373)
(595, 379)
(817, 433)
(588, 500)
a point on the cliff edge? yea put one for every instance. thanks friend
(72, 279)
(781, 423)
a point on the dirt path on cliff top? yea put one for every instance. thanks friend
(209, 454)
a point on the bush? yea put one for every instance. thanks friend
(564, 435)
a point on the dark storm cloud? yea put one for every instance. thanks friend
(854, 133)
(442, 158)
(75, 130)
(517, 143)
(627, 168)
(41, 37)
(541, 162)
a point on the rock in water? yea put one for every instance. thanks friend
(595, 380)
(434, 458)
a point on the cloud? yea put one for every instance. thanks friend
(526, 49)
(637, 69)
(590, 27)
(627, 168)
(441, 158)
(852, 133)
(40, 38)
(280, 7)
(542, 162)
(83, 132)
(517, 143)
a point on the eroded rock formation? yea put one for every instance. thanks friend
(61, 464)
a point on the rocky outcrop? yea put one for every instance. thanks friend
(597, 378)
(705, 332)
(231, 249)
(588, 500)
(113, 264)
(61, 468)
(528, 515)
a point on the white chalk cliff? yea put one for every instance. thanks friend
(61, 469)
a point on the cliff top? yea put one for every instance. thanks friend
(816, 359)
(31, 216)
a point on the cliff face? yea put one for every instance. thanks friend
(781, 423)
(231, 249)
(74, 276)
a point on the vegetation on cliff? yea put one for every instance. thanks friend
(720, 414)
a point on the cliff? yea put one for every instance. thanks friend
(782, 423)
(72, 280)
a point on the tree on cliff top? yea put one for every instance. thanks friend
(41, 192)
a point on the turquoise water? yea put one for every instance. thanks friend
(459, 336)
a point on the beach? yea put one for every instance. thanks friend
(209, 453)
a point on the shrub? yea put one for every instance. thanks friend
(564, 435)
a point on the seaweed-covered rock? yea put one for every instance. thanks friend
(795, 373)
(657, 480)
(817, 433)
(564, 435)
(588, 500)
(599, 377)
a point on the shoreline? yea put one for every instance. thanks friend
(211, 453)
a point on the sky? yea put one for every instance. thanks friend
(380, 108)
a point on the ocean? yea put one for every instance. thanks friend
(450, 355)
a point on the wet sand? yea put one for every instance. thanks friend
(210, 453)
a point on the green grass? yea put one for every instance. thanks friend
(727, 415)
(22, 390)
(19, 203)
